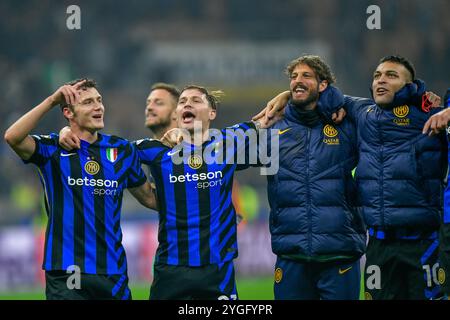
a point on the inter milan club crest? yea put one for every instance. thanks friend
(195, 161)
(92, 167)
(111, 154)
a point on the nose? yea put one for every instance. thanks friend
(99, 106)
(381, 79)
(297, 80)
(186, 105)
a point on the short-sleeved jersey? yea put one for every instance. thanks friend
(197, 218)
(83, 193)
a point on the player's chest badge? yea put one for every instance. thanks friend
(111, 154)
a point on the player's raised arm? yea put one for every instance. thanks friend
(274, 107)
(17, 135)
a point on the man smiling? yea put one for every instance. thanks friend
(317, 231)
(83, 193)
(399, 180)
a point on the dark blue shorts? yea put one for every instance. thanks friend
(61, 285)
(403, 269)
(209, 282)
(314, 281)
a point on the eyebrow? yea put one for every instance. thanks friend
(387, 71)
(295, 73)
(199, 97)
(93, 98)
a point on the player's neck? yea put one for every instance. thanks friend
(197, 138)
(87, 135)
(159, 132)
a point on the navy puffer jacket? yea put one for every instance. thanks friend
(400, 171)
(314, 215)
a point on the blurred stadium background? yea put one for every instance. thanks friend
(238, 46)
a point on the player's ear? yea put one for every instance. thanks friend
(68, 112)
(323, 85)
(212, 114)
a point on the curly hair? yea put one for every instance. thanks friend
(322, 70)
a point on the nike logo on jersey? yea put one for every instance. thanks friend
(172, 152)
(342, 271)
(67, 154)
(280, 132)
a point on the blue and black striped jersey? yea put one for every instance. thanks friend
(83, 193)
(197, 220)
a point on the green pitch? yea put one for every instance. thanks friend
(249, 289)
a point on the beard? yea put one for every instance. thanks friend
(160, 123)
(304, 103)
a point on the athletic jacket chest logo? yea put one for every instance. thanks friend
(330, 133)
(401, 112)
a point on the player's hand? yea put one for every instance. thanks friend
(434, 99)
(338, 116)
(437, 122)
(275, 107)
(172, 137)
(67, 94)
(68, 140)
(266, 122)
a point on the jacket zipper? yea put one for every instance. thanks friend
(308, 197)
(381, 170)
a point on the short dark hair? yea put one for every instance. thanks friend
(322, 70)
(173, 90)
(213, 97)
(88, 83)
(400, 60)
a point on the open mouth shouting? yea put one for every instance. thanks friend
(187, 117)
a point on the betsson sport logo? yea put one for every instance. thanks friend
(102, 186)
(401, 112)
(204, 179)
